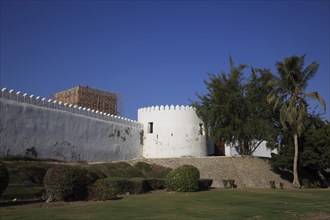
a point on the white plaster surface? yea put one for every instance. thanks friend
(63, 135)
(261, 151)
(176, 132)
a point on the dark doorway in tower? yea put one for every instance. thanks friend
(219, 148)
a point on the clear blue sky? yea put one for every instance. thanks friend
(155, 52)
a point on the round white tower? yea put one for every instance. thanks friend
(172, 132)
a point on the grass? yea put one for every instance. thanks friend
(214, 204)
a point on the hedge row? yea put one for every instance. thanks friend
(4, 178)
(69, 183)
(108, 188)
(204, 184)
(66, 183)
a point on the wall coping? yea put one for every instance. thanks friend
(61, 106)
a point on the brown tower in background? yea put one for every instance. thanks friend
(85, 96)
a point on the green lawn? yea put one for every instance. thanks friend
(215, 204)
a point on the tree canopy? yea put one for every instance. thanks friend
(235, 109)
(244, 111)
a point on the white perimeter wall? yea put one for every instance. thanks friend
(176, 132)
(261, 151)
(64, 135)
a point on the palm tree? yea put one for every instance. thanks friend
(288, 94)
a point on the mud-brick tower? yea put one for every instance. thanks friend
(172, 131)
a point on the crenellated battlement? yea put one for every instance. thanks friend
(167, 108)
(54, 104)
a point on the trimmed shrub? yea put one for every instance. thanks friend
(205, 184)
(28, 176)
(131, 185)
(23, 192)
(306, 183)
(27, 173)
(231, 183)
(316, 184)
(152, 170)
(4, 178)
(117, 169)
(154, 184)
(101, 190)
(118, 185)
(65, 183)
(144, 167)
(92, 177)
(183, 179)
(225, 183)
(310, 184)
(137, 186)
(35, 175)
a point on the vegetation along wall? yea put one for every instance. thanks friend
(46, 129)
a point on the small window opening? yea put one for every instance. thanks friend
(201, 129)
(150, 127)
(171, 134)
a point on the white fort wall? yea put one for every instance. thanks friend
(172, 131)
(32, 126)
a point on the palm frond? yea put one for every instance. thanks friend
(271, 96)
(277, 103)
(315, 95)
(283, 116)
(308, 73)
(291, 115)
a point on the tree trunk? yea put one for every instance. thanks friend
(241, 148)
(323, 179)
(295, 182)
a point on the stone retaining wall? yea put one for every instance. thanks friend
(248, 172)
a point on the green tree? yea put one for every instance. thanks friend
(261, 123)
(236, 110)
(316, 149)
(288, 94)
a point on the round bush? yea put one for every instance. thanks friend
(66, 183)
(101, 190)
(4, 178)
(183, 179)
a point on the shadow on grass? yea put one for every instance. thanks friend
(19, 202)
(40, 200)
